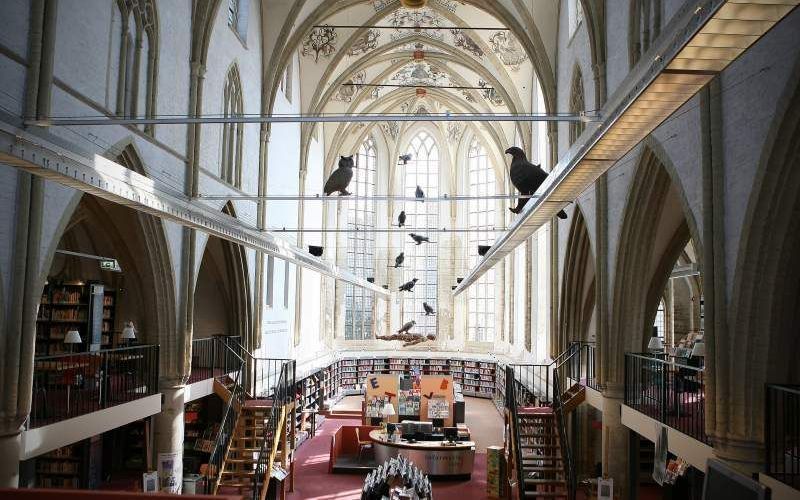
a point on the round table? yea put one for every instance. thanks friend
(434, 458)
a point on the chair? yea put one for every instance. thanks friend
(362, 445)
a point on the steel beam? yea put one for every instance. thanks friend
(35, 152)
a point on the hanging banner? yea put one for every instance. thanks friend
(170, 472)
(660, 460)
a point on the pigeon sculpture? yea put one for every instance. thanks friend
(526, 177)
(398, 261)
(341, 177)
(407, 327)
(407, 286)
(428, 309)
(401, 219)
(419, 239)
(483, 249)
(420, 194)
(405, 159)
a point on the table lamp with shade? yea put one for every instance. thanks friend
(388, 410)
(699, 351)
(655, 345)
(129, 333)
(72, 337)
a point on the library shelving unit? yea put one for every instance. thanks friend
(477, 378)
(69, 305)
(62, 468)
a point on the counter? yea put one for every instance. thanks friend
(434, 458)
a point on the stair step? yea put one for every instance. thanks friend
(239, 472)
(539, 446)
(542, 469)
(551, 482)
(546, 494)
(527, 460)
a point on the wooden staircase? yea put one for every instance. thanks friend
(241, 457)
(543, 467)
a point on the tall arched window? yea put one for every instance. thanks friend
(645, 27)
(576, 105)
(359, 303)
(231, 170)
(138, 59)
(421, 260)
(660, 321)
(575, 14)
(480, 296)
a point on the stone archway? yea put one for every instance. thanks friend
(578, 285)
(762, 339)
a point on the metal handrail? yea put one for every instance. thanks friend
(283, 394)
(782, 433)
(558, 410)
(91, 381)
(650, 357)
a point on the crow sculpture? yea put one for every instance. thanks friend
(408, 286)
(401, 219)
(398, 261)
(407, 327)
(419, 239)
(404, 159)
(526, 177)
(483, 249)
(420, 194)
(341, 177)
(428, 309)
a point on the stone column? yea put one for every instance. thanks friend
(615, 439)
(169, 428)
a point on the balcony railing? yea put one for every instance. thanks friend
(782, 433)
(70, 385)
(212, 357)
(670, 392)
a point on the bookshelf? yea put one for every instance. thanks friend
(68, 305)
(62, 467)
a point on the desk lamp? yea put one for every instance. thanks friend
(129, 333)
(72, 337)
(699, 350)
(655, 345)
(388, 410)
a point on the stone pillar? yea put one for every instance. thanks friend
(169, 429)
(615, 439)
(10, 445)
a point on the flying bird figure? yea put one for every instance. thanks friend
(420, 194)
(419, 239)
(526, 177)
(405, 159)
(398, 261)
(483, 249)
(341, 177)
(428, 309)
(401, 219)
(408, 285)
(407, 327)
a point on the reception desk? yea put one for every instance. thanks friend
(431, 457)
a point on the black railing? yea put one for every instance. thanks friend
(536, 381)
(517, 395)
(70, 385)
(670, 392)
(228, 424)
(213, 357)
(782, 433)
(282, 395)
(570, 362)
(582, 368)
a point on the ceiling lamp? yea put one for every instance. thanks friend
(413, 4)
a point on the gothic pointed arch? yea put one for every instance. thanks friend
(577, 303)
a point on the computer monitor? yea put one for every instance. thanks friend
(723, 481)
(451, 434)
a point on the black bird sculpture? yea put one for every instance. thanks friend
(420, 194)
(341, 177)
(482, 249)
(401, 219)
(419, 239)
(315, 250)
(407, 327)
(407, 286)
(428, 309)
(405, 159)
(398, 261)
(526, 177)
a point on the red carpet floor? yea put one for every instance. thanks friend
(312, 481)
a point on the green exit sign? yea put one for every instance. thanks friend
(110, 265)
